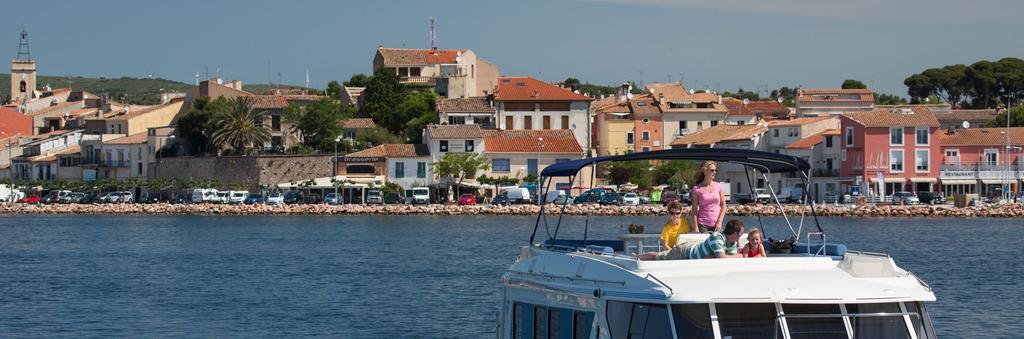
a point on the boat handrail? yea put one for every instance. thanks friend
(926, 286)
(778, 318)
(821, 250)
(876, 254)
(662, 283)
(573, 279)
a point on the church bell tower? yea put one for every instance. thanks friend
(23, 72)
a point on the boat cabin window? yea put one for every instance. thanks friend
(807, 327)
(877, 327)
(692, 321)
(638, 320)
(747, 321)
(542, 322)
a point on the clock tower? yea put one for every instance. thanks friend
(23, 72)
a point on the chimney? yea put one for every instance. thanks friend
(236, 84)
(719, 99)
(536, 93)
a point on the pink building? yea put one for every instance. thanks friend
(976, 160)
(895, 147)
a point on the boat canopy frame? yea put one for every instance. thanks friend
(764, 162)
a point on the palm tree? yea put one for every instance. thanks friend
(240, 128)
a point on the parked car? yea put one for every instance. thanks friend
(420, 195)
(49, 198)
(467, 199)
(237, 197)
(393, 198)
(611, 199)
(311, 199)
(563, 200)
(253, 199)
(30, 199)
(905, 198)
(517, 194)
(374, 197)
(761, 195)
(121, 197)
(69, 198)
(222, 197)
(630, 198)
(500, 199)
(183, 198)
(931, 198)
(149, 198)
(645, 200)
(590, 196)
(791, 195)
(333, 199)
(275, 199)
(292, 197)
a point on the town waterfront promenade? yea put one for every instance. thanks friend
(993, 211)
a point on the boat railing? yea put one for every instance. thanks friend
(847, 318)
(926, 286)
(821, 249)
(662, 283)
(874, 254)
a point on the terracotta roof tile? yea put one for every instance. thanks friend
(807, 143)
(133, 139)
(269, 102)
(410, 56)
(474, 104)
(140, 110)
(525, 141)
(66, 104)
(920, 116)
(394, 151)
(454, 132)
(719, 134)
(974, 116)
(796, 122)
(765, 108)
(836, 95)
(982, 137)
(530, 89)
(359, 123)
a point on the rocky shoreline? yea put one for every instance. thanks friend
(992, 211)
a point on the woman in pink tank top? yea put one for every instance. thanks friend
(707, 200)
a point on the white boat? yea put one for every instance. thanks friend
(585, 288)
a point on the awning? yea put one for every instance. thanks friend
(341, 182)
(924, 179)
(996, 181)
(959, 182)
(890, 180)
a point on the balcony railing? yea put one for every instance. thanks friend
(115, 163)
(819, 173)
(984, 170)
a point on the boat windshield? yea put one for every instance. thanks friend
(763, 320)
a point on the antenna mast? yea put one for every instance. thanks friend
(23, 51)
(307, 77)
(433, 33)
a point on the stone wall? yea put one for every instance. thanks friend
(250, 172)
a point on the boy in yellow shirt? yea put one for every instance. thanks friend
(676, 224)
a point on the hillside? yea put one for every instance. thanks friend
(133, 90)
(265, 88)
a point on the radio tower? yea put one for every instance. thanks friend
(433, 33)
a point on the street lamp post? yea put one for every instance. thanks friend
(335, 169)
(540, 142)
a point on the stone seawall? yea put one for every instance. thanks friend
(997, 211)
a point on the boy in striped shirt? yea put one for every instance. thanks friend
(715, 246)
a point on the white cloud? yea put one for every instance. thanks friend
(855, 10)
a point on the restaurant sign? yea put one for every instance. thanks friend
(351, 160)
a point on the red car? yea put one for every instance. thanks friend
(467, 199)
(30, 199)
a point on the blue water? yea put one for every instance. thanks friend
(389, 276)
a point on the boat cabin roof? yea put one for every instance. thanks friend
(795, 278)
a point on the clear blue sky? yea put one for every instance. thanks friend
(724, 43)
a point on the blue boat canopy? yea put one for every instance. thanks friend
(763, 161)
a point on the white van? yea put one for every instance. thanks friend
(516, 194)
(9, 193)
(553, 195)
(420, 195)
(201, 195)
(237, 197)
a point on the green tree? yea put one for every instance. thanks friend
(418, 110)
(460, 166)
(1016, 118)
(741, 94)
(375, 136)
(195, 126)
(383, 96)
(889, 99)
(635, 172)
(357, 80)
(674, 173)
(320, 122)
(853, 84)
(333, 89)
(241, 128)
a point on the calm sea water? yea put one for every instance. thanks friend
(386, 277)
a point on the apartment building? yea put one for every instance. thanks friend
(525, 103)
(891, 149)
(453, 73)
